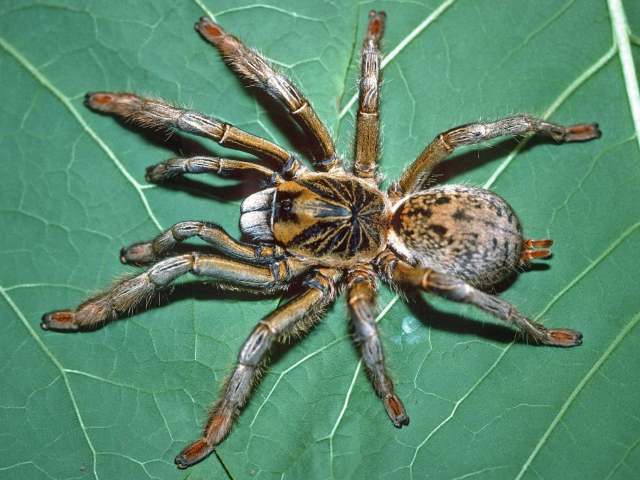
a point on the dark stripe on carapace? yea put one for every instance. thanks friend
(331, 189)
(327, 210)
(348, 218)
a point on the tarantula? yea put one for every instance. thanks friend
(326, 230)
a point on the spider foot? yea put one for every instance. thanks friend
(562, 337)
(137, 254)
(532, 249)
(194, 453)
(210, 31)
(59, 321)
(556, 337)
(159, 173)
(375, 28)
(111, 102)
(582, 132)
(395, 409)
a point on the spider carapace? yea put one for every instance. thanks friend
(325, 230)
(321, 217)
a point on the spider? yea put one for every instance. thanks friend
(325, 230)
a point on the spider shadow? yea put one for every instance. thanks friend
(184, 146)
(284, 344)
(189, 290)
(198, 290)
(277, 113)
(457, 324)
(506, 283)
(297, 138)
(480, 155)
(460, 325)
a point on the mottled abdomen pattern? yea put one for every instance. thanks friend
(330, 218)
(465, 231)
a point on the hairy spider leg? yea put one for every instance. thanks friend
(294, 317)
(445, 143)
(252, 66)
(368, 120)
(361, 294)
(146, 252)
(158, 113)
(127, 293)
(458, 290)
(223, 167)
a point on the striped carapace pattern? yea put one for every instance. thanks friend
(330, 219)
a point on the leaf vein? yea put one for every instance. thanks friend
(622, 40)
(552, 302)
(59, 366)
(402, 45)
(577, 83)
(576, 391)
(85, 126)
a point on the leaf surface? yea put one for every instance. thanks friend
(120, 402)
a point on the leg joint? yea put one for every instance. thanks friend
(183, 230)
(385, 264)
(283, 271)
(256, 346)
(321, 281)
(165, 271)
(361, 275)
(291, 168)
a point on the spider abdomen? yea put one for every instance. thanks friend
(465, 231)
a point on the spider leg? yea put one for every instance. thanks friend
(458, 290)
(444, 144)
(157, 113)
(362, 300)
(146, 252)
(318, 293)
(125, 294)
(252, 66)
(216, 165)
(368, 121)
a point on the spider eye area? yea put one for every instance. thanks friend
(291, 201)
(286, 204)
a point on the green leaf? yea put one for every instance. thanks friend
(122, 401)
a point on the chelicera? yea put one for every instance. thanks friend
(325, 230)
